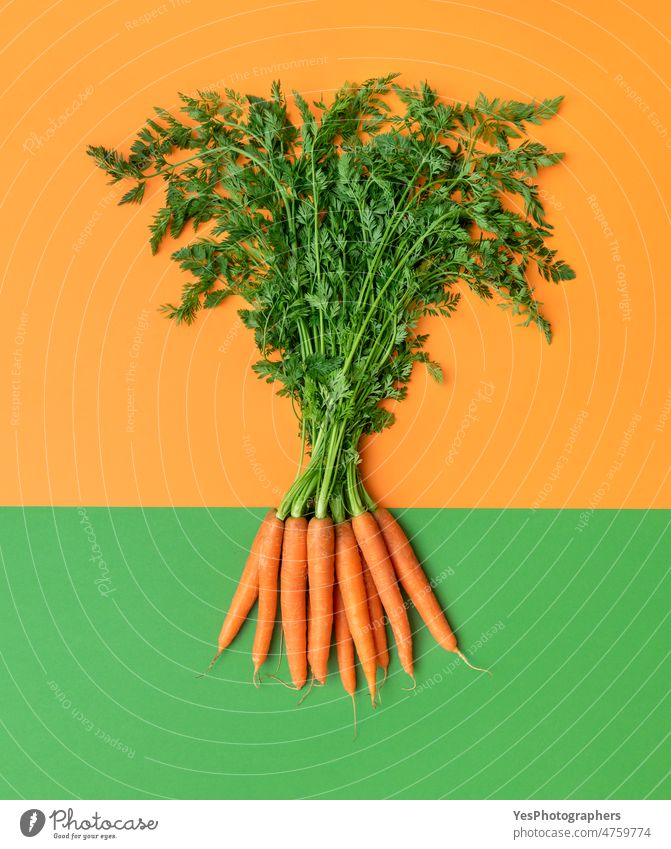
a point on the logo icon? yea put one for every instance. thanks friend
(32, 822)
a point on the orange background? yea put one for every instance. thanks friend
(580, 423)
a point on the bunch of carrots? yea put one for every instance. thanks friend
(341, 225)
(340, 577)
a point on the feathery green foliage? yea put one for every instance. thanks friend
(342, 227)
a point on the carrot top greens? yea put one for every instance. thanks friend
(341, 228)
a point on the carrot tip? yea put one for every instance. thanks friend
(378, 693)
(307, 692)
(410, 689)
(279, 654)
(212, 662)
(283, 683)
(469, 664)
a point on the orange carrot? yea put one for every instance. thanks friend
(414, 580)
(293, 587)
(344, 644)
(349, 573)
(377, 621)
(269, 564)
(320, 584)
(376, 555)
(246, 592)
(310, 630)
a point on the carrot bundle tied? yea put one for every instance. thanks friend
(337, 222)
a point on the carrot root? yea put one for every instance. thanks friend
(293, 586)
(283, 683)
(308, 691)
(469, 664)
(279, 653)
(212, 662)
(374, 549)
(321, 577)
(354, 599)
(247, 590)
(413, 579)
(268, 570)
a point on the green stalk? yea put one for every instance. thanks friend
(389, 230)
(316, 238)
(304, 338)
(354, 501)
(365, 495)
(300, 501)
(398, 267)
(338, 508)
(287, 201)
(332, 458)
(296, 497)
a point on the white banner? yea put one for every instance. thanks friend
(335, 824)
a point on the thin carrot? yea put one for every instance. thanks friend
(246, 592)
(349, 573)
(344, 644)
(345, 649)
(269, 564)
(310, 630)
(414, 580)
(293, 586)
(320, 584)
(376, 555)
(377, 621)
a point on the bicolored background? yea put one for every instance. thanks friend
(136, 456)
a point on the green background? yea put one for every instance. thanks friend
(574, 626)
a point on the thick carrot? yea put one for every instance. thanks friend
(349, 573)
(246, 592)
(377, 621)
(414, 580)
(293, 587)
(269, 564)
(375, 552)
(344, 644)
(320, 585)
